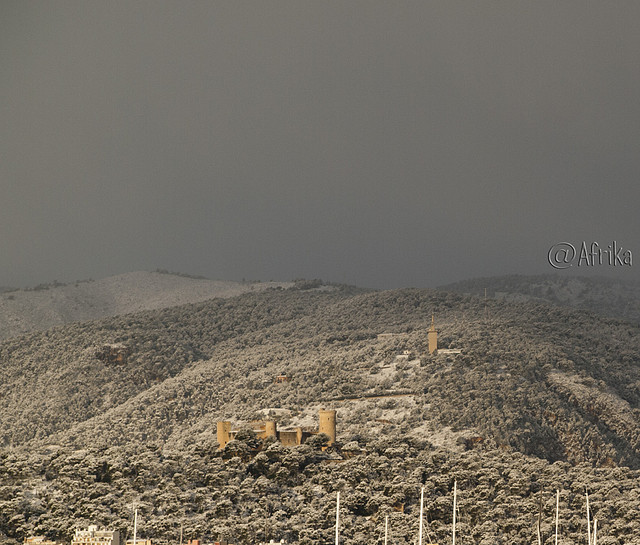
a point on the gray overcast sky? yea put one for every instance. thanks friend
(385, 144)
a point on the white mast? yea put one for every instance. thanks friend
(135, 526)
(386, 528)
(539, 536)
(421, 510)
(595, 527)
(455, 492)
(557, 506)
(540, 518)
(588, 521)
(337, 516)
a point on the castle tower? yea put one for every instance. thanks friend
(270, 429)
(224, 433)
(432, 337)
(327, 424)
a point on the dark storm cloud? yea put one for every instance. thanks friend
(376, 143)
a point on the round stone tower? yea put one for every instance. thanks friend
(224, 433)
(270, 429)
(327, 424)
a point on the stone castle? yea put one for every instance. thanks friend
(288, 437)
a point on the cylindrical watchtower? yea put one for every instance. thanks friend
(270, 429)
(432, 337)
(224, 433)
(327, 424)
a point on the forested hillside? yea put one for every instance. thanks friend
(290, 493)
(614, 298)
(87, 436)
(555, 383)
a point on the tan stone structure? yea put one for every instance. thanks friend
(40, 540)
(224, 433)
(432, 337)
(327, 424)
(288, 437)
(94, 536)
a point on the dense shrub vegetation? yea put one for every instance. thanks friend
(540, 397)
(290, 493)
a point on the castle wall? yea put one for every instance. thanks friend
(288, 438)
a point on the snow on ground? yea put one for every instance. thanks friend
(33, 310)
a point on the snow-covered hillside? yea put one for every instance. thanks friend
(39, 309)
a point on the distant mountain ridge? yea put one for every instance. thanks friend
(614, 298)
(46, 306)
